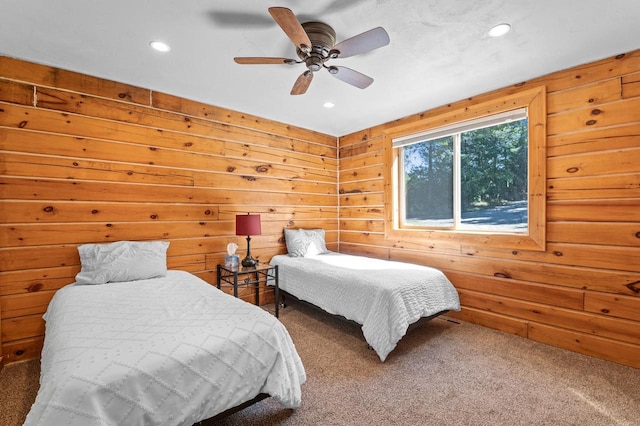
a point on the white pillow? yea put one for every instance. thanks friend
(305, 242)
(122, 261)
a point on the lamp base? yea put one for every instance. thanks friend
(249, 262)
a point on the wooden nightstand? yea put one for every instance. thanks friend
(251, 278)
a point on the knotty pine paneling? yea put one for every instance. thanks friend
(583, 292)
(89, 160)
(631, 85)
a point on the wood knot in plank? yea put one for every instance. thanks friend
(249, 178)
(231, 169)
(501, 275)
(591, 122)
(634, 287)
(35, 287)
(262, 168)
(596, 111)
(48, 209)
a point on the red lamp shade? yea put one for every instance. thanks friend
(248, 224)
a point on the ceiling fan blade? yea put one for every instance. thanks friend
(259, 61)
(291, 26)
(302, 83)
(350, 76)
(361, 43)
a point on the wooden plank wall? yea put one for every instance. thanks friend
(89, 160)
(583, 292)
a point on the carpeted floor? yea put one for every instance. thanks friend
(441, 373)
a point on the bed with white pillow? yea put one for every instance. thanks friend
(131, 343)
(383, 296)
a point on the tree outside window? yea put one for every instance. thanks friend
(474, 178)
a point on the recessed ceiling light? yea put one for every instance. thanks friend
(499, 30)
(328, 105)
(160, 46)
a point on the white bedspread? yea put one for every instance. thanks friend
(164, 351)
(384, 296)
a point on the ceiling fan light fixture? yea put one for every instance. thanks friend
(315, 44)
(159, 46)
(499, 30)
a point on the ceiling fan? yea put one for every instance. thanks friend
(316, 44)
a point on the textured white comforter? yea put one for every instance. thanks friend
(384, 296)
(164, 351)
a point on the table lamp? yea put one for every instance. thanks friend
(248, 224)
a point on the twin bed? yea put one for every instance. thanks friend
(169, 349)
(383, 296)
(132, 343)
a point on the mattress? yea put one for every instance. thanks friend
(164, 351)
(385, 297)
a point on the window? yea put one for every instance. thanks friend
(472, 175)
(469, 176)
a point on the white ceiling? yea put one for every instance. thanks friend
(439, 52)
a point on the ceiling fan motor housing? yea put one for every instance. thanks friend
(322, 38)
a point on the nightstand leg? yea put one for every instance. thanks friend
(235, 285)
(277, 291)
(218, 277)
(257, 289)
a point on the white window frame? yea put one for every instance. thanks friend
(455, 131)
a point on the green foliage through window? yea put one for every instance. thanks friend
(473, 179)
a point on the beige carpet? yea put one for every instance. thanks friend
(441, 373)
